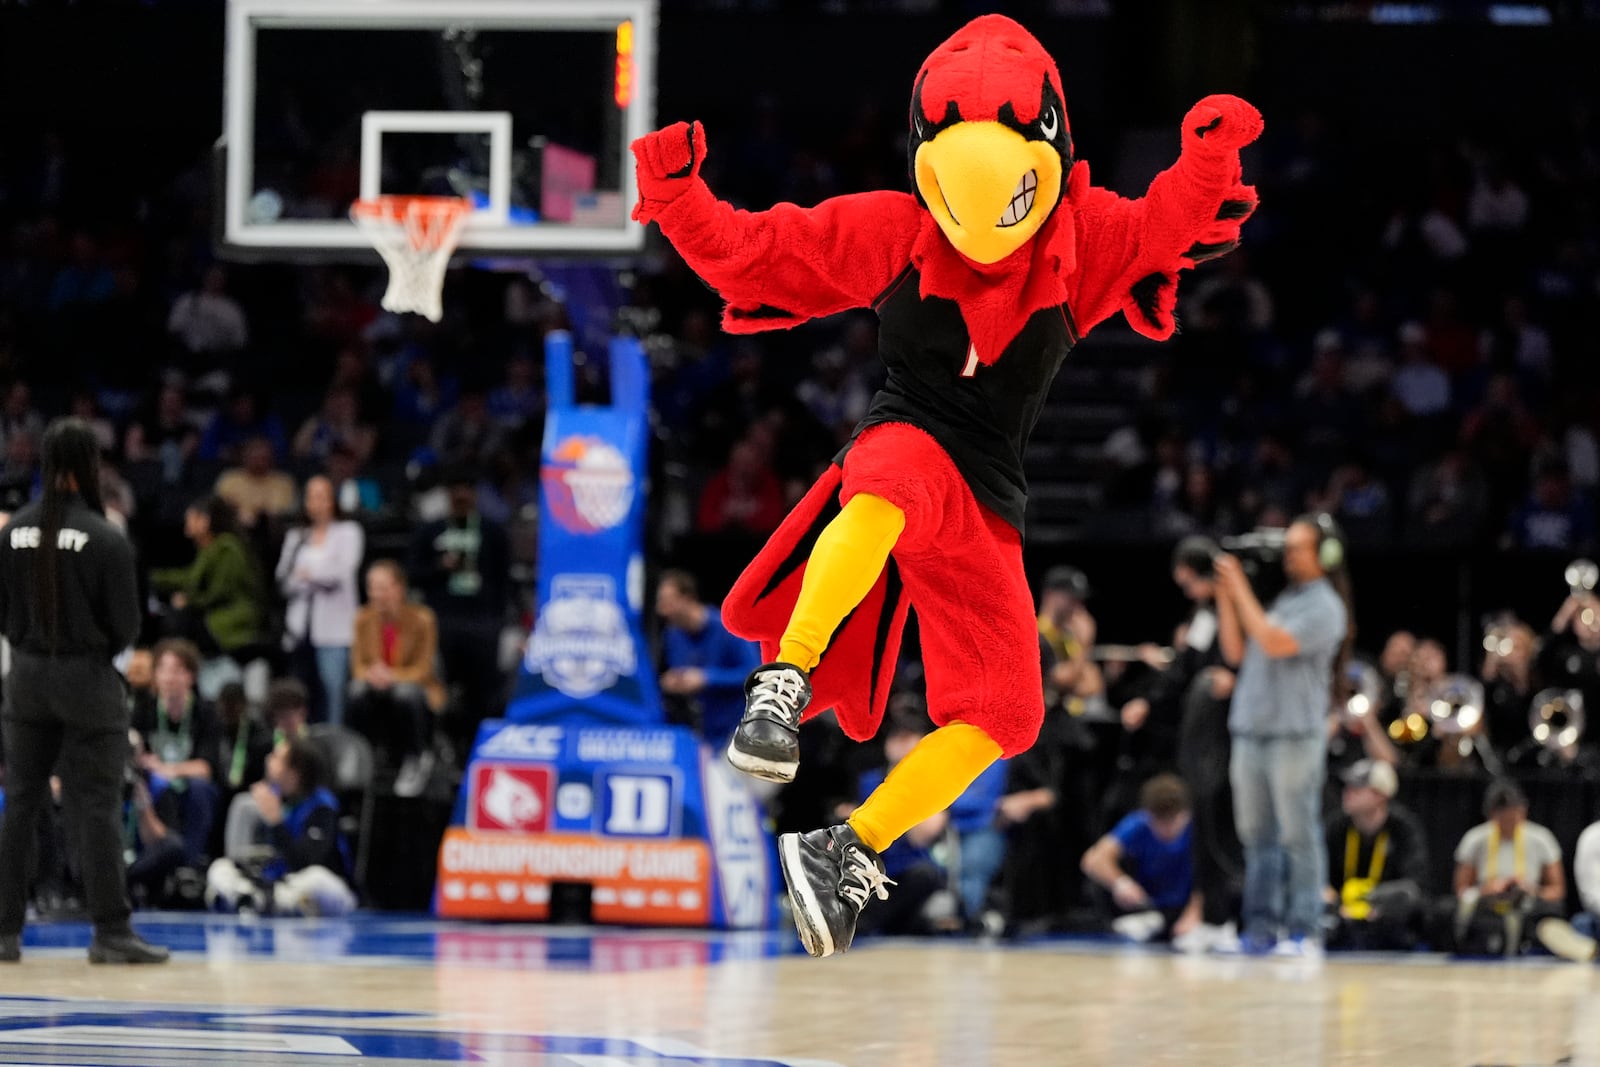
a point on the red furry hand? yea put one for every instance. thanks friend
(668, 161)
(1220, 124)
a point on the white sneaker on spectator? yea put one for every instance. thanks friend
(1200, 939)
(1563, 940)
(1140, 926)
(414, 775)
(1298, 948)
(1225, 941)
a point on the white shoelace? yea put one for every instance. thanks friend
(778, 692)
(868, 880)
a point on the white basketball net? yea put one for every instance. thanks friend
(416, 236)
(602, 497)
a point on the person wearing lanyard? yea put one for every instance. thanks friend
(1508, 875)
(181, 739)
(1377, 864)
(69, 603)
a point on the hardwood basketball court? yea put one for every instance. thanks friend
(412, 992)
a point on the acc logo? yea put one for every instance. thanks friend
(581, 644)
(524, 742)
(588, 485)
(508, 797)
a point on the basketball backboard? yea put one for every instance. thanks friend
(525, 107)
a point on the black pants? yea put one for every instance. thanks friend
(397, 720)
(1204, 752)
(71, 713)
(471, 655)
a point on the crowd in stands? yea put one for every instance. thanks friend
(336, 508)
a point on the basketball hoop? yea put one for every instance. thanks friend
(416, 236)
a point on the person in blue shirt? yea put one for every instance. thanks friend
(974, 817)
(922, 902)
(301, 866)
(705, 664)
(1146, 864)
(1287, 657)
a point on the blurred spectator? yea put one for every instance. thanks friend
(181, 737)
(288, 708)
(1420, 385)
(1508, 876)
(706, 666)
(745, 495)
(467, 434)
(977, 821)
(306, 858)
(1069, 631)
(461, 565)
(357, 493)
(18, 416)
(1570, 657)
(520, 400)
(1554, 516)
(242, 741)
(156, 850)
(922, 902)
(164, 432)
(1509, 685)
(337, 425)
(1146, 864)
(420, 398)
(1377, 864)
(835, 393)
(239, 420)
(207, 320)
(1359, 501)
(256, 489)
(218, 601)
(19, 475)
(394, 693)
(317, 574)
(1448, 501)
(85, 407)
(1579, 940)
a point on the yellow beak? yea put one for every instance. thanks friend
(988, 187)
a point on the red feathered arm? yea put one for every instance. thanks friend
(778, 267)
(1130, 251)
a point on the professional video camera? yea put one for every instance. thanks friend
(1260, 556)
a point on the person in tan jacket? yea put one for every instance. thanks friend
(395, 691)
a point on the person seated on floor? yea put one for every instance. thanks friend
(1508, 877)
(156, 852)
(1377, 864)
(298, 864)
(1579, 940)
(922, 902)
(1146, 863)
(180, 737)
(394, 692)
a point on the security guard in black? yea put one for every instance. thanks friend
(69, 602)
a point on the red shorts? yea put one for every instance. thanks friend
(962, 568)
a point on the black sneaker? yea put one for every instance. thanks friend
(10, 948)
(831, 875)
(767, 743)
(127, 947)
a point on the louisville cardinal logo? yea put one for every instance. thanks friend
(514, 799)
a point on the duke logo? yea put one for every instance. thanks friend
(581, 644)
(588, 485)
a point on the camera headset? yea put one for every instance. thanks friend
(1330, 540)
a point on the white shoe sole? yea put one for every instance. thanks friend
(1561, 939)
(808, 920)
(765, 769)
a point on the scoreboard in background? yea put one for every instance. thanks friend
(656, 825)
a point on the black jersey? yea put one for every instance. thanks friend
(98, 607)
(981, 415)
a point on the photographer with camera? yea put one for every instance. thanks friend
(1287, 658)
(68, 603)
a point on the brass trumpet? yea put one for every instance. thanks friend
(1556, 721)
(1365, 691)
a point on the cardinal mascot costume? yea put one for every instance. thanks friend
(983, 279)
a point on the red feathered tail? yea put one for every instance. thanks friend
(857, 670)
